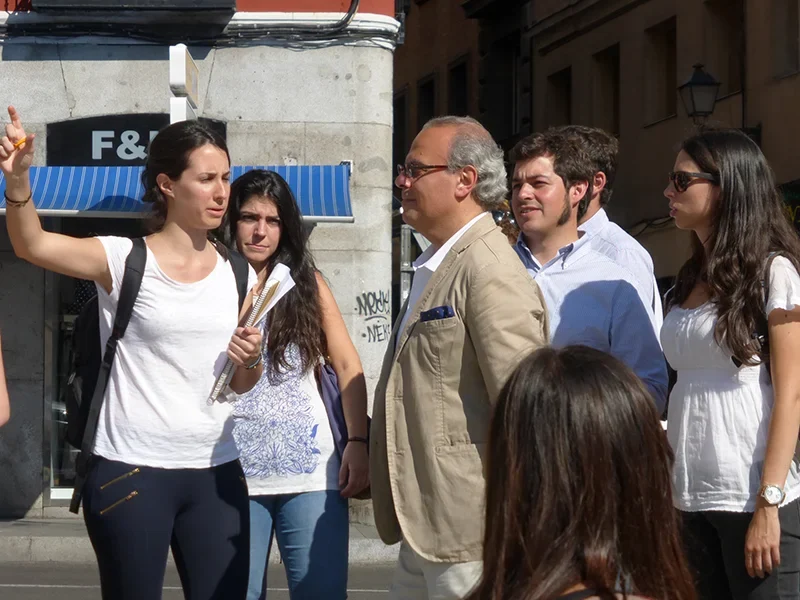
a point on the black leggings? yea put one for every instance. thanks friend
(715, 544)
(135, 514)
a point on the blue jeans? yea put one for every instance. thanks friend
(313, 531)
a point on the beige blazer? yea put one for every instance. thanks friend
(435, 393)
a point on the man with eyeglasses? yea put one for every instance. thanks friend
(607, 237)
(589, 297)
(472, 315)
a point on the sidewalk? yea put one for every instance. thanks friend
(65, 541)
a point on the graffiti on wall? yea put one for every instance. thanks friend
(375, 308)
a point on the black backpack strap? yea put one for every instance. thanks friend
(761, 332)
(241, 271)
(129, 289)
(765, 278)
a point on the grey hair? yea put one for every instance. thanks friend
(473, 146)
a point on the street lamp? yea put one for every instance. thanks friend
(699, 94)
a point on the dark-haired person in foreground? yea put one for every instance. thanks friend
(165, 470)
(578, 486)
(732, 333)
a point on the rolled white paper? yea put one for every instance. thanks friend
(278, 284)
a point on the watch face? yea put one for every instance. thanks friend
(773, 494)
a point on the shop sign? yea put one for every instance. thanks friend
(110, 140)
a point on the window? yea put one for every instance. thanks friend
(426, 101)
(605, 89)
(458, 89)
(558, 101)
(724, 43)
(400, 128)
(661, 76)
(501, 88)
(786, 36)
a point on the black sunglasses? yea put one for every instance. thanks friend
(683, 179)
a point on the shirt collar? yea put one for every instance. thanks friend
(432, 258)
(565, 254)
(595, 224)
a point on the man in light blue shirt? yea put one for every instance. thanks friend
(607, 237)
(590, 298)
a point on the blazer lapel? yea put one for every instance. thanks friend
(478, 230)
(433, 282)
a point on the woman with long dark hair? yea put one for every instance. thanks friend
(164, 469)
(578, 489)
(298, 484)
(734, 412)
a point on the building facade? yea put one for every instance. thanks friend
(301, 85)
(617, 64)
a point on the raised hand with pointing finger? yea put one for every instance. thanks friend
(16, 149)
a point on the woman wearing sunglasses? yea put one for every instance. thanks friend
(732, 333)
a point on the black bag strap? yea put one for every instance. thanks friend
(241, 271)
(129, 289)
(761, 332)
(765, 279)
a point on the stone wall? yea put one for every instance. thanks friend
(282, 106)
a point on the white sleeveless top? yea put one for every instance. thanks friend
(719, 415)
(283, 434)
(155, 412)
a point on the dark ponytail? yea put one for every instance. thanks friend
(169, 154)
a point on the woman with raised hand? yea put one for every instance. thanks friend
(578, 492)
(165, 470)
(732, 334)
(298, 483)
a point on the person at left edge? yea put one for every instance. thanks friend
(5, 405)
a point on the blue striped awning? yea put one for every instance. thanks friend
(323, 192)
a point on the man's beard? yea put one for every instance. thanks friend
(567, 212)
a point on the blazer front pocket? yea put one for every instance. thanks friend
(428, 342)
(429, 370)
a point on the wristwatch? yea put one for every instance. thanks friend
(772, 494)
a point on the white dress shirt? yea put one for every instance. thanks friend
(613, 241)
(591, 301)
(424, 268)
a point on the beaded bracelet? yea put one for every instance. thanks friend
(358, 439)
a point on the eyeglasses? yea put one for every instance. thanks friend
(416, 171)
(683, 179)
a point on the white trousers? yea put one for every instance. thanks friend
(417, 578)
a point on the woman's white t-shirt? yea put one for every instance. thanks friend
(156, 411)
(719, 414)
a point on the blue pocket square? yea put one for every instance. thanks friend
(435, 314)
